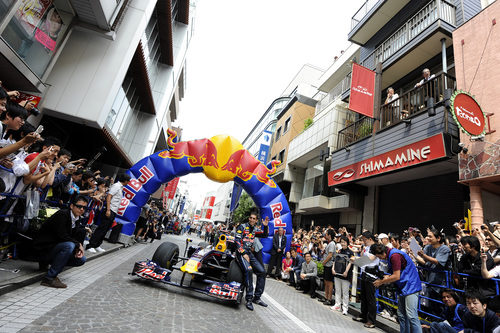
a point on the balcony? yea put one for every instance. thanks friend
(339, 90)
(412, 103)
(408, 33)
(371, 17)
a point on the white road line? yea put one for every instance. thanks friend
(287, 313)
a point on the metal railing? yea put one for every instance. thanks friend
(337, 91)
(354, 132)
(415, 100)
(362, 11)
(433, 11)
(406, 106)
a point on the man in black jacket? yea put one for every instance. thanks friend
(56, 245)
(479, 318)
(279, 245)
(470, 264)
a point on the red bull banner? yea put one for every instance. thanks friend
(221, 158)
(362, 90)
(172, 187)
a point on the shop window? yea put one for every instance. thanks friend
(4, 8)
(36, 31)
(287, 125)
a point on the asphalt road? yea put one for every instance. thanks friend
(102, 297)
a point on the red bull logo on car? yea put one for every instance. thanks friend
(221, 158)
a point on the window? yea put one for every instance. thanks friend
(287, 124)
(278, 134)
(281, 156)
(35, 33)
(273, 158)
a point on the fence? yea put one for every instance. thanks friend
(383, 298)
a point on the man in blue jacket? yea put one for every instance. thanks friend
(404, 275)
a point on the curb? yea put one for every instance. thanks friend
(381, 322)
(32, 278)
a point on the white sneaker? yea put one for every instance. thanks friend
(85, 242)
(335, 308)
(344, 312)
(100, 249)
(92, 250)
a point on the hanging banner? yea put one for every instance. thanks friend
(468, 114)
(362, 90)
(172, 187)
(235, 196)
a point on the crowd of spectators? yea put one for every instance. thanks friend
(452, 272)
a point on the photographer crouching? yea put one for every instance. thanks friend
(404, 275)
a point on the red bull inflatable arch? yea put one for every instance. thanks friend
(221, 158)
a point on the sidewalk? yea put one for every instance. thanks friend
(29, 273)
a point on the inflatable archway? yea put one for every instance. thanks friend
(222, 158)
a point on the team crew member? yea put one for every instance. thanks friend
(404, 275)
(245, 236)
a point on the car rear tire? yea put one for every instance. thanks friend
(203, 244)
(234, 274)
(166, 255)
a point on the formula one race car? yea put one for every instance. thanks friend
(214, 270)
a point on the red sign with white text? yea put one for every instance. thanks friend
(419, 152)
(468, 114)
(172, 187)
(362, 90)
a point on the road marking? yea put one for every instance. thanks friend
(287, 313)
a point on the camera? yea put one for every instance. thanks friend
(34, 111)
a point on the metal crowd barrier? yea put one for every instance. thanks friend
(449, 284)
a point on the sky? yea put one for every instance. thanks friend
(242, 56)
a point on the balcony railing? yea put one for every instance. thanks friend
(415, 100)
(406, 106)
(338, 90)
(362, 11)
(433, 11)
(354, 132)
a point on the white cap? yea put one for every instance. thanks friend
(382, 236)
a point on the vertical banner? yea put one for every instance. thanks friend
(235, 196)
(362, 90)
(172, 187)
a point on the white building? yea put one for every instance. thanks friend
(111, 75)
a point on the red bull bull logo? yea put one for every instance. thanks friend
(220, 150)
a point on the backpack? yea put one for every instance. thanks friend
(340, 263)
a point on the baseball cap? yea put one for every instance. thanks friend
(382, 236)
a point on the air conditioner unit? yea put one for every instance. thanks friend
(100, 13)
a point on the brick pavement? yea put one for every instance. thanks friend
(102, 297)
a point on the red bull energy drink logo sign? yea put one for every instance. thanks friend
(221, 158)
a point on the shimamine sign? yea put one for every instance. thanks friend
(468, 114)
(419, 152)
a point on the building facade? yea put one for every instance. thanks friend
(476, 45)
(110, 74)
(403, 163)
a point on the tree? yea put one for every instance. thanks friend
(245, 206)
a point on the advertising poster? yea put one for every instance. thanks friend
(31, 12)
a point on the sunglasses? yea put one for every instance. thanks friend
(80, 206)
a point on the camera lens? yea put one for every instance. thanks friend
(34, 111)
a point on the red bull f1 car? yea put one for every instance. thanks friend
(210, 270)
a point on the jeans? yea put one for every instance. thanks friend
(61, 255)
(442, 328)
(99, 233)
(259, 270)
(408, 314)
